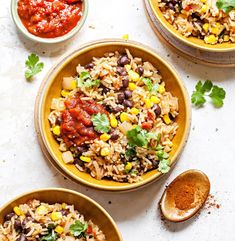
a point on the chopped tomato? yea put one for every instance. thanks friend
(89, 229)
(188, 8)
(147, 125)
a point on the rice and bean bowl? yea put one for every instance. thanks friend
(115, 118)
(208, 20)
(38, 221)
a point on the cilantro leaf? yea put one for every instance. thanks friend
(130, 152)
(50, 237)
(32, 65)
(85, 80)
(137, 137)
(163, 166)
(150, 86)
(217, 96)
(101, 123)
(225, 5)
(78, 228)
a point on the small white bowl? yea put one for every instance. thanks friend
(26, 33)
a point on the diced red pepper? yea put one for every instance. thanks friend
(188, 8)
(147, 125)
(89, 229)
(73, 1)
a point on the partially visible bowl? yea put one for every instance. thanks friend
(27, 34)
(51, 88)
(190, 41)
(86, 206)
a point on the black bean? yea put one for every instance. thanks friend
(171, 6)
(64, 212)
(125, 82)
(127, 94)
(121, 98)
(121, 71)
(123, 60)
(17, 225)
(114, 136)
(89, 66)
(157, 110)
(9, 216)
(140, 70)
(128, 103)
(59, 120)
(116, 109)
(105, 90)
(27, 230)
(22, 238)
(171, 116)
(81, 149)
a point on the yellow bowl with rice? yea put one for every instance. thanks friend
(208, 43)
(51, 89)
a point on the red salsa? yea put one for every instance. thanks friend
(76, 126)
(49, 18)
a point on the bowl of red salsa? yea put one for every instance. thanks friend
(49, 21)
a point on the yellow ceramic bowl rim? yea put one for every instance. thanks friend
(170, 29)
(64, 61)
(98, 206)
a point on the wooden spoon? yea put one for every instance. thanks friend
(184, 197)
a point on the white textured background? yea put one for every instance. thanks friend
(23, 168)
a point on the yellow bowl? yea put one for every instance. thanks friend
(51, 88)
(86, 206)
(190, 41)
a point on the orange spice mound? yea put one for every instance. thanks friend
(184, 196)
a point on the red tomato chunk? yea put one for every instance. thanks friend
(49, 18)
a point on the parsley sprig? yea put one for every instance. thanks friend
(164, 162)
(33, 66)
(85, 80)
(101, 123)
(207, 88)
(225, 5)
(78, 228)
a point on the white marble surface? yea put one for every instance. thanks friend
(23, 168)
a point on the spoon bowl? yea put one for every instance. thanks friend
(185, 196)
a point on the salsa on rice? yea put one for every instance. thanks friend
(208, 20)
(115, 118)
(36, 220)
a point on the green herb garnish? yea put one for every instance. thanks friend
(101, 123)
(32, 65)
(163, 166)
(137, 137)
(150, 86)
(225, 5)
(50, 237)
(85, 80)
(77, 229)
(130, 152)
(216, 94)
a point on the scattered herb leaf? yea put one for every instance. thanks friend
(33, 66)
(163, 166)
(78, 228)
(137, 137)
(150, 86)
(85, 80)
(225, 5)
(130, 152)
(216, 94)
(50, 237)
(101, 123)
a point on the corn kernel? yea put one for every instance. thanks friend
(59, 229)
(134, 111)
(161, 89)
(105, 151)
(203, 1)
(148, 103)
(56, 130)
(226, 38)
(204, 8)
(18, 211)
(85, 159)
(55, 216)
(155, 99)
(216, 29)
(124, 117)
(205, 26)
(113, 121)
(125, 36)
(105, 137)
(128, 166)
(132, 86)
(170, 144)
(134, 126)
(211, 39)
(167, 119)
(64, 205)
(64, 93)
(127, 67)
(134, 76)
(41, 210)
(73, 85)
